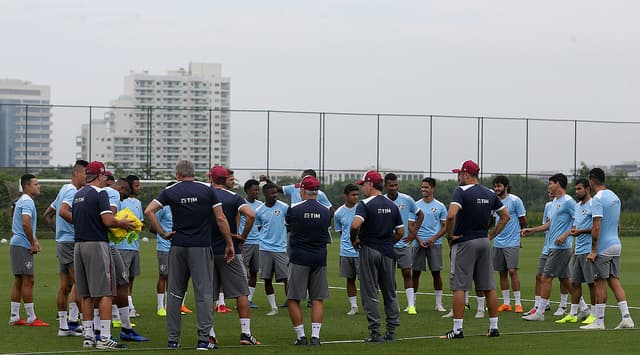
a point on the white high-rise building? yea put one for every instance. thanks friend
(25, 125)
(187, 111)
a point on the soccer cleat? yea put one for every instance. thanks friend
(206, 345)
(390, 336)
(561, 311)
(590, 319)
(567, 319)
(247, 339)
(252, 305)
(173, 345)
(162, 312)
(593, 326)
(440, 308)
(301, 341)
(19, 321)
(118, 324)
(88, 342)
(582, 315)
(504, 308)
(451, 335)
(352, 312)
(273, 312)
(547, 308)
(315, 341)
(131, 335)
(480, 313)
(185, 310)
(133, 313)
(406, 309)
(223, 309)
(374, 338)
(467, 306)
(625, 323)
(285, 304)
(411, 310)
(518, 309)
(537, 316)
(531, 311)
(109, 344)
(38, 323)
(493, 332)
(448, 315)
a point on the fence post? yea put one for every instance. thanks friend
(89, 141)
(268, 137)
(378, 144)
(26, 138)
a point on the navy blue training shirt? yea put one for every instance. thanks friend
(231, 203)
(380, 217)
(477, 203)
(310, 222)
(89, 204)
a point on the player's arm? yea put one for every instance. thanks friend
(443, 229)
(399, 233)
(154, 223)
(50, 218)
(354, 231)
(109, 220)
(522, 220)
(450, 222)
(563, 237)
(541, 228)
(28, 231)
(223, 226)
(413, 227)
(65, 212)
(249, 220)
(595, 237)
(266, 179)
(503, 213)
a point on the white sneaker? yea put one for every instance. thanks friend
(133, 313)
(353, 311)
(480, 313)
(561, 311)
(625, 323)
(448, 315)
(538, 316)
(406, 309)
(69, 333)
(273, 312)
(593, 326)
(440, 308)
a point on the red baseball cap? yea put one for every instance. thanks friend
(218, 172)
(372, 176)
(468, 166)
(309, 183)
(95, 168)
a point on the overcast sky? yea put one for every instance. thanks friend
(548, 59)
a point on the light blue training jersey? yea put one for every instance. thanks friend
(561, 221)
(114, 198)
(583, 220)
(24, 207)
(254, 234)
(64, 229)
(135, 206)
(606, 205)
(408, 211)
(342, 223)
(166, 222)
(273, 231)
(510, 235)
(546, 217)
(294, 194)
(434, 214)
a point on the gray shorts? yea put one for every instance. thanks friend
(403, 258)
(163, 263)
(349, 266)
(251, 257)
(541, 262)
(231, 277)
(122, 275)
(605, 267)
(64, 252)
(307, 278)
(424, 256)
(581, 270)
(274, 262)
(131, 260)
(21, 260)
(471, 261)
(506, 258)
(557, 264)
(94, 270)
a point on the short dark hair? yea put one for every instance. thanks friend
(559, 178)
(132, 178)
(501, 179)
(26, 179)
(269, 186)
(110, 178)
(390, 177)
(229, 172)
(378, 186)
(81, 162)
(309, 172)
(170, 183)
(349, 188)
(584, 182)
(597, 175)
(429, 180)
(249, 183)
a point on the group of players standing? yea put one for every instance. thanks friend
(378, 234)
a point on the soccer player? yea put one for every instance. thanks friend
(293, 190)
(411, 217)
(605, 251)
(309, 222)
(230, 275)
(273, 243)
(581, 270)
(506, 245)
(375, 228)
(162, 253)
(94, 270)
(560, 243)
(467, 230)
(22, 248)
(251, 246)
(64, 250)
(427, 248)
(193, 205)
(348, 255)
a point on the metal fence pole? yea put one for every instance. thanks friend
(268, 137)
(378, 144)
(431, 145)
(26, 138)
(526, 160)
(210, 118)
(89, 141)
(575, 150)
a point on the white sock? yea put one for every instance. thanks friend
(563, 300)
(105, 328)
(516, 295)
(493, 322)
(600, 308)
(299, 329)
(543, 305)
(15, 310)
(315, 330)
(457, 326)
(481, 303)
(63, 320)
(114, 311)
(272, 301)
(466, 297)
(593, 310)
(624, 309)
(31, 314)
(438, 297)
(160, 298)
(252, 290)
(96, 318)
(87, 326)
(130, 299)
(574, 309)
(124, 317)
(354, 302)
(245, 325)
(506, 299)
(221, 299)
(410, 299)
(537, 301)
(583, 305)
(73, 312)
(212, 332)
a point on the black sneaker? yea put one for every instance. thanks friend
(451, 335)
(246, 339)
(390, 337)
(493, 332)
(301, 341)
(315, 341)
(173, 345)
(206, 345)
(374, 338)
(467, 306)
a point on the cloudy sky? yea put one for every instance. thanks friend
(573, 60)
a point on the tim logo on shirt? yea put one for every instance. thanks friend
(482, 201)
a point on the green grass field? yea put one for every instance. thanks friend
(341, 333)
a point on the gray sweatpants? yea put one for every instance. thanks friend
(197, 263)
(378, 272)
